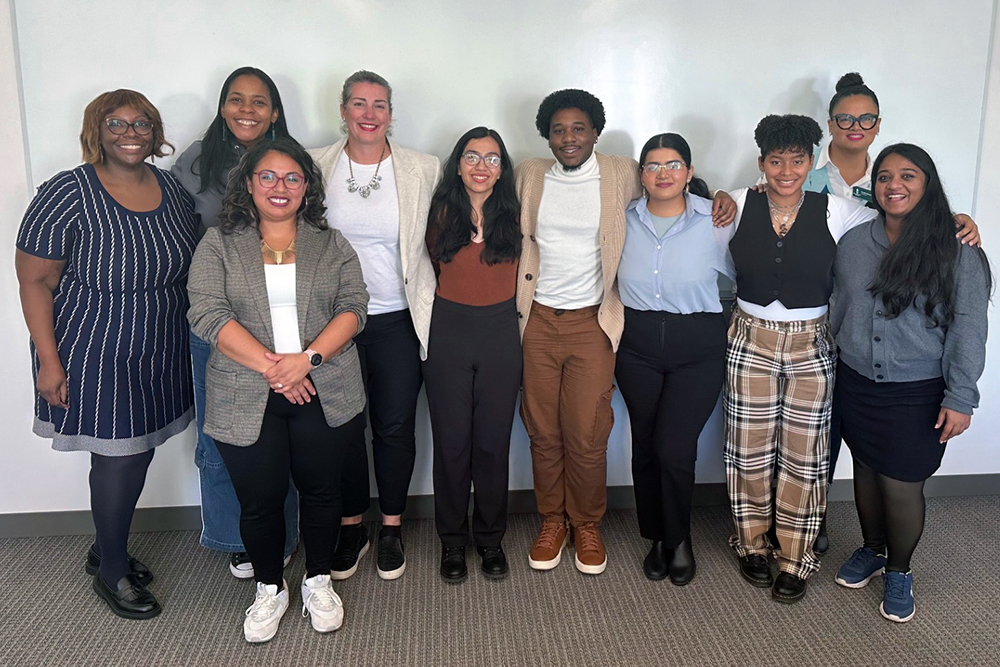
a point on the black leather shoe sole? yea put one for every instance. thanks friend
(121, 608)
(142, 573)
(788, 589)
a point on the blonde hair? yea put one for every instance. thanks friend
(105, 103)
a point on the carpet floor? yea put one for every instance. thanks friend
(50, 616)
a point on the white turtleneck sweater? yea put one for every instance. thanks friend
(569, 238)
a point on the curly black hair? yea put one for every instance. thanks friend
(570, 98)
(790, 132)
(238, 209)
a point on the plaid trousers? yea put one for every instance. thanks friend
(779, 387)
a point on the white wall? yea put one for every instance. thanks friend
(708, 71)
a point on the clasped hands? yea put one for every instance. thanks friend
(288, 376)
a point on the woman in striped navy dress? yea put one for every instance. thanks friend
(102, 260)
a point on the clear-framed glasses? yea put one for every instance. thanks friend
(846, 121)
(268, 179)
(119, 126)
(472, 158)
(653, 168)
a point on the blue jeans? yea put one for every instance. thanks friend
(220, 510)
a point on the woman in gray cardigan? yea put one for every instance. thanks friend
(909, 316)
(279, 295)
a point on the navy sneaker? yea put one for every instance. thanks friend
(897, 596)
(860, 568)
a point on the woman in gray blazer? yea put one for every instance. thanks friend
(279, 295)
(378, 194)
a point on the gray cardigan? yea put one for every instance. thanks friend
(226, 282)
(905, 348)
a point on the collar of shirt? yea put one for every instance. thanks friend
(585, 172)
(693, 206)
(879, 235)
(822, 158)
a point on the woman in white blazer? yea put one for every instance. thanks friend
(378, 195)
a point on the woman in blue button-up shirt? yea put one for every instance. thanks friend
(671, 362)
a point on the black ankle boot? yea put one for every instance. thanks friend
(682, 565)
(656, 564)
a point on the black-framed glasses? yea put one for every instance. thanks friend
(653, 168)
(846, 121)
(472, 158)
(268, 179)
(118, 126)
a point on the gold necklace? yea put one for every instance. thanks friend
(352, 185)
(277, 256)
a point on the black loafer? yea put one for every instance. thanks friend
(788, 588)
(822, 543)
(656, 563)
(494, 564)
(682, 565)
(129, 598)
(453, 568)
(756, 570)
(391, 559)
(141, 572)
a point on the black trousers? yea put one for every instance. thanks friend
(390, 364)
(670, 370)
(473, 371)
(293, 439)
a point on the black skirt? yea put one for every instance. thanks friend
(889, 426)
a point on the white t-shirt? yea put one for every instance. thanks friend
(280, 280)
(842, 215)
(371, 225)
(569, 238)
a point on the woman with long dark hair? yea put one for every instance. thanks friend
(249, 111)
(672, 358)
(279, 296)
(910, 321)
(473, 367)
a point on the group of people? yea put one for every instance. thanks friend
(343, 278)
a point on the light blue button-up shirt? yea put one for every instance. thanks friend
(678, 272)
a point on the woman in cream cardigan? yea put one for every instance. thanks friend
(378, 195)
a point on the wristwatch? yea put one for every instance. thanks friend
(315, 358)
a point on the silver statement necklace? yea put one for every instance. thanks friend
(782, 214)
(352, 185)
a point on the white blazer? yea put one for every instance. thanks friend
(416, 176)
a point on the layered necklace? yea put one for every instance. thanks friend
(352, 185)
(784, 216)
(277, 256)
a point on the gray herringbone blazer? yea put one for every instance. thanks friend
(226, 282)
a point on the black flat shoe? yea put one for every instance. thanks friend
(453, 568)
(129, 599)
(788, 588)
(656, 563)
(682, 565)
(141, 572)
(822, 543)
(494, 563)
(756, 571)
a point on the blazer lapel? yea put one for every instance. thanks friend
(307, 254)
(408, 195)
(248, 248)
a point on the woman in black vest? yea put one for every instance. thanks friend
(780, 361)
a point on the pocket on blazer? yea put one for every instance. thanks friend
(220, 398)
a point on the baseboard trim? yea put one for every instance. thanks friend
(155, 519)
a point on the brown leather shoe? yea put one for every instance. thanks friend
(591, 556)
(546, 551)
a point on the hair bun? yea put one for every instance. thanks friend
(850, 80)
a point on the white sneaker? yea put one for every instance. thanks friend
(321, 603)
(265, 613)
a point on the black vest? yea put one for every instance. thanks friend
(796, 270)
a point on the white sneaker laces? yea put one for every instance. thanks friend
(264, 605)
(323, 599)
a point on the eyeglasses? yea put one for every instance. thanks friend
(472, 159)
(268, 179)
(846, 121)
(652, 168)
(119, 126)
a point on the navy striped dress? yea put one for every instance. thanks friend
(119, 312)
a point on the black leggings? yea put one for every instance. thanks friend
(115, 485)
(891, 514)
(293, 438)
